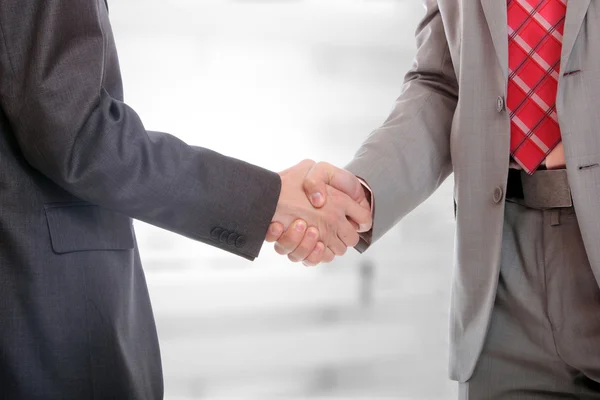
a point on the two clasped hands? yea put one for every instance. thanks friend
(320, 213)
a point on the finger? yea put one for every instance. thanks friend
(347, 234)
(366, 201)
(274, 233)
(341, 179)
(316, 256)
(345, 181)
(354, 225)
(306, 247)
(337, 246)
(291, 239)
(328, 256)
(315, 187)
(359, 215)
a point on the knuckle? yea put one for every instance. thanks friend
(307, 162)
(310, 182)
(312, 234)
(323, 230)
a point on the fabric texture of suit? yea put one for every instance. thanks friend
(76, 165)
(451, 118)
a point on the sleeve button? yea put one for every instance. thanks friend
(240, 242)
(224, 236)
(216, 233)
(232, 238)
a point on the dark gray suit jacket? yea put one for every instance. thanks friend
(76, 164)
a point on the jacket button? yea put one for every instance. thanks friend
(224, 236)
(216, 233)
(231, 239)
(500, 104)
(498, 194)
(240, 242)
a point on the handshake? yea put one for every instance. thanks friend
(321, 211)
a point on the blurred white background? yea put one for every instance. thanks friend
(273, 82)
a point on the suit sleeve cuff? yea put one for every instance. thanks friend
(366, 238)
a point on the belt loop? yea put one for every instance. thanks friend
(555, 217)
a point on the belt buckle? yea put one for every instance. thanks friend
(546, 189)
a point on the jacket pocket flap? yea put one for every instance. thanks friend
(84, 227)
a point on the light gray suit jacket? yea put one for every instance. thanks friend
(76, 164)
(451, 117)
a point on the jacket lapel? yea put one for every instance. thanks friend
(576, 10)
(495, 13)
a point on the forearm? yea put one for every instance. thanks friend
(405, 161)
(408, 157)
(61, 94)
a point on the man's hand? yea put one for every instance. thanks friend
(322, 175)
(332, 218)
(299, 243)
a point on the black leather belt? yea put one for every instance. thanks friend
(545, 189)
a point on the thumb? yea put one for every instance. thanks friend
(316, 181)
(315, 189)
(323, 174)
(345, 181)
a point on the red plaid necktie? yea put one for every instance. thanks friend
(535, 29)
